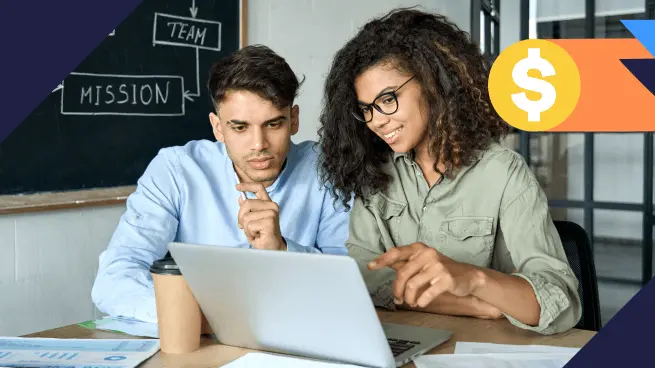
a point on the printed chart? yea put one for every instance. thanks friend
(75, 353)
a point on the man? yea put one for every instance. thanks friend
(191, 194)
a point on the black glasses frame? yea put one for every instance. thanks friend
(359, 116)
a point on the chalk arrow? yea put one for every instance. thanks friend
(59, 86)
(188, 94)
(194, 9)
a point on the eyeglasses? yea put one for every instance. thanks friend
(386, 103)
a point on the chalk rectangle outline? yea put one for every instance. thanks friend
(123, 113)
(155, 41)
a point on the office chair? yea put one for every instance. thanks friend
(581, 258)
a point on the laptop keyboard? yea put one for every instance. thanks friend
(400, 346)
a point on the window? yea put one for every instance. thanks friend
(567, 18)
(485, 26)
(583, 188)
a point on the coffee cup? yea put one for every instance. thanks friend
(179, 317)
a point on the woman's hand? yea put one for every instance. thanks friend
(423, 274)
(488, 311)
(451, 305)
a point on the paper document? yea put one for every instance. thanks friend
(488, 355)
(251, 360)
(485, 348)
(125, 325)
(494, 360)
(75, 353)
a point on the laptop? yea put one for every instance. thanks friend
(308, 305)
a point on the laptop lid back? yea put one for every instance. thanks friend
(313, 305)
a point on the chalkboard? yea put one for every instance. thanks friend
(142, 89)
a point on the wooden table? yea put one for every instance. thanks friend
(464, 329)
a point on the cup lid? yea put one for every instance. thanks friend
(165, 266)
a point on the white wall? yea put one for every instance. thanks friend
(48, 260)
(307, 33)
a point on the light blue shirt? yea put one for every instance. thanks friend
(187, 194)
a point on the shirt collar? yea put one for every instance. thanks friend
(408, 157)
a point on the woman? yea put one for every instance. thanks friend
(445, 219)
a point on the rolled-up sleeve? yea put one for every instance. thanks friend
(367, 240)
(538, 255)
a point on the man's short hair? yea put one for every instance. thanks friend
(257, 69)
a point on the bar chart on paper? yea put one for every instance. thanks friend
(75, 353)
(44, 355)
(57, 355)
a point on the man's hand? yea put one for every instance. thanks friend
(260, 218)
(422, 274)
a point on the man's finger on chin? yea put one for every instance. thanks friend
(257, 188)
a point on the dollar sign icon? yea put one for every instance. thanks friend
(523, 80)
(526, 99)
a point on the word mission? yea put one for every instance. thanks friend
(144, 95)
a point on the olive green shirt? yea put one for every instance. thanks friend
(493, 214)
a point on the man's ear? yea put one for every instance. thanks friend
(217, 128)
(295, 119)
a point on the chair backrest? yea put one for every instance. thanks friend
(581, 258)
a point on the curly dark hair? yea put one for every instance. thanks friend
(453, 76)
(258, 69)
